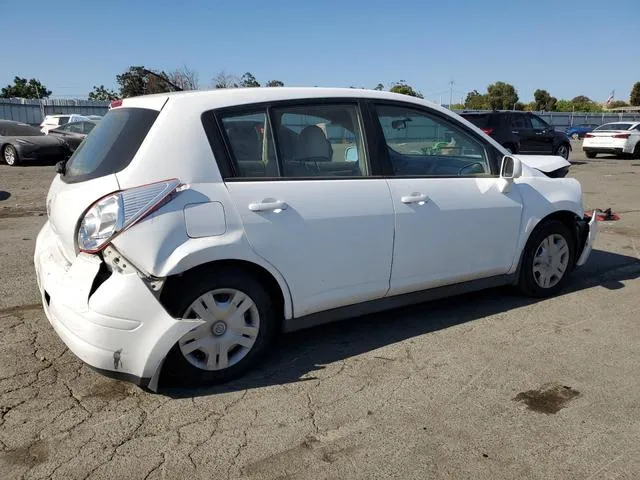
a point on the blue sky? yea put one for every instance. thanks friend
(567, 47)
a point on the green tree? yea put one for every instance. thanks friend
(23, 88)
(544, 100)
(530, 107)
(248, 80)
(456, 106)
(634, 98)
(138, 81)
(102, 93)
(403, 88)
(564, 106)
(274, 83)
(476, 101)
(581, 99)
(380, 86)
(519, 106)
(502, 96)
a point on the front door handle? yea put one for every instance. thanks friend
(415, 198)
(268, 206)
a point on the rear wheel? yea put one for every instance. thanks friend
(239, 323)
(10, 155)
(547, 260)
(636, 150)
(590, 154)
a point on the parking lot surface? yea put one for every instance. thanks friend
(487, 386)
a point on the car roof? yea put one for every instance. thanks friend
(219, 98)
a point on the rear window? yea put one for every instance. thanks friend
(480, 121)
(111, 145)
(614, 126)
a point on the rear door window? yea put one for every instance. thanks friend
(480, 121)
(112, 144)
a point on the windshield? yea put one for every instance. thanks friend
(19, 130)
(111, 145)
(614, 126)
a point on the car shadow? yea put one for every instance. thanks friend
(297, 356)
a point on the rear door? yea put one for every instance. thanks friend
(300, 178)
(521, 126)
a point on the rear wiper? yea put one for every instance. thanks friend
(163, 78)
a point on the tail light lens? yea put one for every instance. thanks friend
(488, 131)
(588, 135)
(621, 135)
(113, 214)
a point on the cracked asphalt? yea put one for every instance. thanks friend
(487, 386)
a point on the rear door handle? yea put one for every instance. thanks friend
(268, 206)
(414, 198)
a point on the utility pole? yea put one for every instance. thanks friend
(450, 93)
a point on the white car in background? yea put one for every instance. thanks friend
(619, 138)
(54, 121)
(189, 228)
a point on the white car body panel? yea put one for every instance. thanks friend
(317, 242)
(466, 229)
(337, 243)
(544, 163)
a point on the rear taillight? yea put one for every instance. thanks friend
(621, 135)
(115, 103)
(488, 131)
(115, 213)
(588, 135)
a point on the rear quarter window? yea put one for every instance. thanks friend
(111, 145)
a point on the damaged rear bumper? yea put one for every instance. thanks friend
(111, 321)
(588, 229)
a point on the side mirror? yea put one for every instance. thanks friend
(510, 169)
(351, 154)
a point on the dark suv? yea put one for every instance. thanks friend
(521, 132)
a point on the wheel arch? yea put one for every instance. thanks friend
(568, 218)
(277, 290)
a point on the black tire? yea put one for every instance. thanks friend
(590, 154)
(177, 370)
(527, 282)
(563, 150)
(636, 151)
(10, 155)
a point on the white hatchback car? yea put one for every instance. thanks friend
(619, 138)
(189, 228)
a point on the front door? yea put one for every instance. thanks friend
(308, 204)
(452, 222)
(543, 134)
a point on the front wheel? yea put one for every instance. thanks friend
(563, 151)
(10, 155)
(547, 260)
(239, 323)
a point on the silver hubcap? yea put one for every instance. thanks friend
(9, 156)
(230, 329)
(575, 136)
(550, 261)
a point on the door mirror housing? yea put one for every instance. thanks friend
(511, 167)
